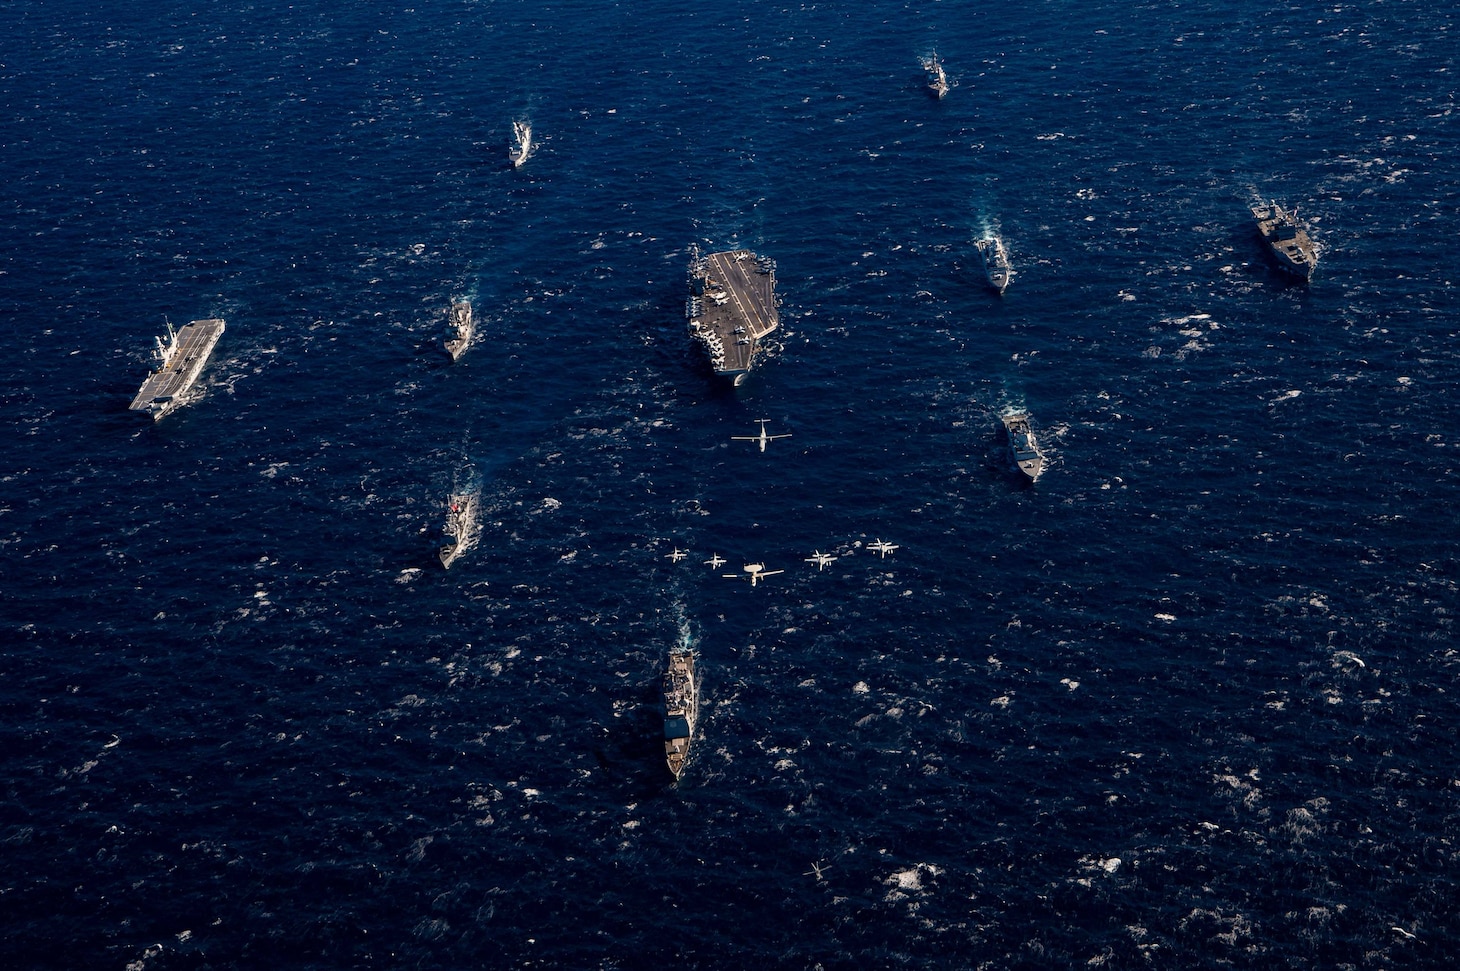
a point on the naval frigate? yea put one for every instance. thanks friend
(521, 143)
(995, 262)
(1023, 448)
(681, 708)
(1288, 241)
(463, 329)
(731, 307)
(180, 360)
(461, 527)
(937, 77)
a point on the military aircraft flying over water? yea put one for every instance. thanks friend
(822, 560)
(754, 572)
(881, 548)
(676, 556)
(715, 561)
(762, 438)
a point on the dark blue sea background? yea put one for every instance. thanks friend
(1189, 701)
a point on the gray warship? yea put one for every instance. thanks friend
(521, 143)
(681, 709)
(1023, 449)
(180, 360)
(731, 307)
(995, 262)
(463, 330)
(1289, 242)
(937, 78)
(461, 528)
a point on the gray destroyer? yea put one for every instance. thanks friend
(995, 263)
(937, 77)
(1288, 241)
(180, 360)
(681, 709)
(1023, 449)
(461, 528)
(731, 307)
(463, 330)
(521, 143)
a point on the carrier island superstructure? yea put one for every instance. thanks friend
(731, 307)
(180, 360)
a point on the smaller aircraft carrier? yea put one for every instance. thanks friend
(180, 360)
(732, 305)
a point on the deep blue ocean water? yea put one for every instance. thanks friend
(1189, 702)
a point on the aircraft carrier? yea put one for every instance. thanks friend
(732, 305)
(180, 360)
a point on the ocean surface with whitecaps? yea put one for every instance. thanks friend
(1189, 701)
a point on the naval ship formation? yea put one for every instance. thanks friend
(1288, 241)
(461, 528)
(731, 306)
(681, 709)
(180, 360)
(463, 329)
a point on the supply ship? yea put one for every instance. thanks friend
(1023, 449)
(681, 709)
(1288, 241)
(180, 360)
(731, 307)
(463, 329)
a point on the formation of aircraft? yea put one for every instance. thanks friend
(755, 572)
(762, 438)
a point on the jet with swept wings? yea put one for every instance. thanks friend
(822, 560)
